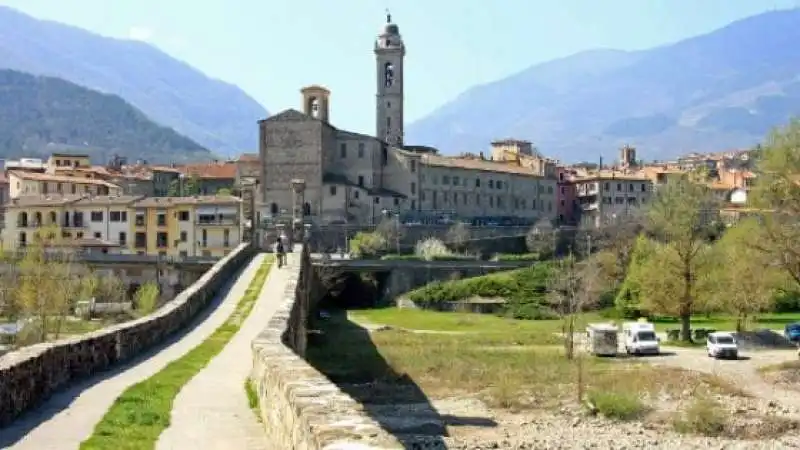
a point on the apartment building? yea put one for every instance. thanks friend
(172, 226)
(24, 183)
(605, 194)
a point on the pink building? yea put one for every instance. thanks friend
(568, 211)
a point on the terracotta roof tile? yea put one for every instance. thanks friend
(477, 164)
(59, 179)
(210, 170)
(155, 202)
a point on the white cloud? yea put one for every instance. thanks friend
(140, 33)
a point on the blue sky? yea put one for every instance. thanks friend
(271, 48)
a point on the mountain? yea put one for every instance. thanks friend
(722, 90)
(40, 115)
(218, 115)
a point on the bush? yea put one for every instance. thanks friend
(786, 301)
(398, 257)
(520, 287)
(367, 245)
(705, 416)
(516, 257)
(617, 405)
(431, 248)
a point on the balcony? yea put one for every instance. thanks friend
(218, 222)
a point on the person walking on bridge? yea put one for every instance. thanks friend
(280, 252)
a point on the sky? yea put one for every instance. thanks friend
(271, 48)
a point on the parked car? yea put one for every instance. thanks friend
(722, 345)
(792, 332)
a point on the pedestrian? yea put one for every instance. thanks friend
(279, 251)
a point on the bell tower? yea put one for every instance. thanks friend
(389, 54)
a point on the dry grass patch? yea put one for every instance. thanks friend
(395, 366)
(785, 374)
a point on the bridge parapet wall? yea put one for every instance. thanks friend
(32, 374)
(300, 407)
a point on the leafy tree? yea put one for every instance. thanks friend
(224, 191)
(185, 187)
(392, 232)
(680, 218)
(542, 239)
(628, 300)
(745, 278)
(777, 194)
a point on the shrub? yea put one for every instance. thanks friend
(617, 405)
(705, 416)
(431, 248)
(367, 245)
(516, 257)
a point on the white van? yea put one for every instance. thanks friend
(722, 345)
(640, 338)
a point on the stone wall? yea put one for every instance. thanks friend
(29, 376)
(300, 408)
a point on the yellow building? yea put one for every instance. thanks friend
(187, 226)
(170, 226)
(68, 160)
(23, 183)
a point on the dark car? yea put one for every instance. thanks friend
(792, 332)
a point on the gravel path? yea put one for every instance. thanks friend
(69, 417)
(743, 372)
(211, 412)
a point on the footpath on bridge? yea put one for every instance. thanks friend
(51, 429)
(211, 412)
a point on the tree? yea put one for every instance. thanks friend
(680, 218)
(573, 286)
(184, 187)
(542, 239)
(223, 191)
(615, 241)
(628, 300)
(776, 194)
(458, 235)
(746, 279)
(392, 232)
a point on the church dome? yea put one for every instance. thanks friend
(391, 28)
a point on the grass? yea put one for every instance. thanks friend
(508, 363)
(142, 412)
(617, 405)
(773, 321)
(252, 397)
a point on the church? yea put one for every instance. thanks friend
(355, 178)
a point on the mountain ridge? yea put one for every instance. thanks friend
(40, 114)
(723, 89)
(217, 114)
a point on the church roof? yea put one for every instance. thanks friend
(287, 115)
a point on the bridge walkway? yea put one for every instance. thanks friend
(212, 412)
(69, 417)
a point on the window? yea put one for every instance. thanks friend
(161, 219)
(53, 218)
(388, 122)
(413, 165)
(360, 149)
(114, 216)
(161, 239)
(37, 219)
(226, 238)
(607, 186)
(549, 189)
(183, 216)
(98, 235)
(644, 187)
(78, 219)
(413, 205)
(630, 187)
(456, 181)
(377, 200)
(491, 184)
(396, 201)
(140, 240)
(361, 180)
(74, 188)
(413, 188)
(23, 239)
(184, 236)
(123, 238)
(445, 179)
(343, 150)
(355, 194)
(477, 182)
(619, 186)
(333, 190)
(204, 241)
(499, 185)
(139, 219)
(96, 216)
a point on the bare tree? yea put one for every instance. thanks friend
(573, 287)
(542, 239)
(392, 231)
(458, 235)
(613, 243)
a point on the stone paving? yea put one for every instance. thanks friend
(70, 416)
(211, 411)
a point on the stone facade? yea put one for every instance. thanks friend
(29, 376)
(300, 408)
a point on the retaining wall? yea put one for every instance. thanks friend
(300, 408)
(32, 374)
